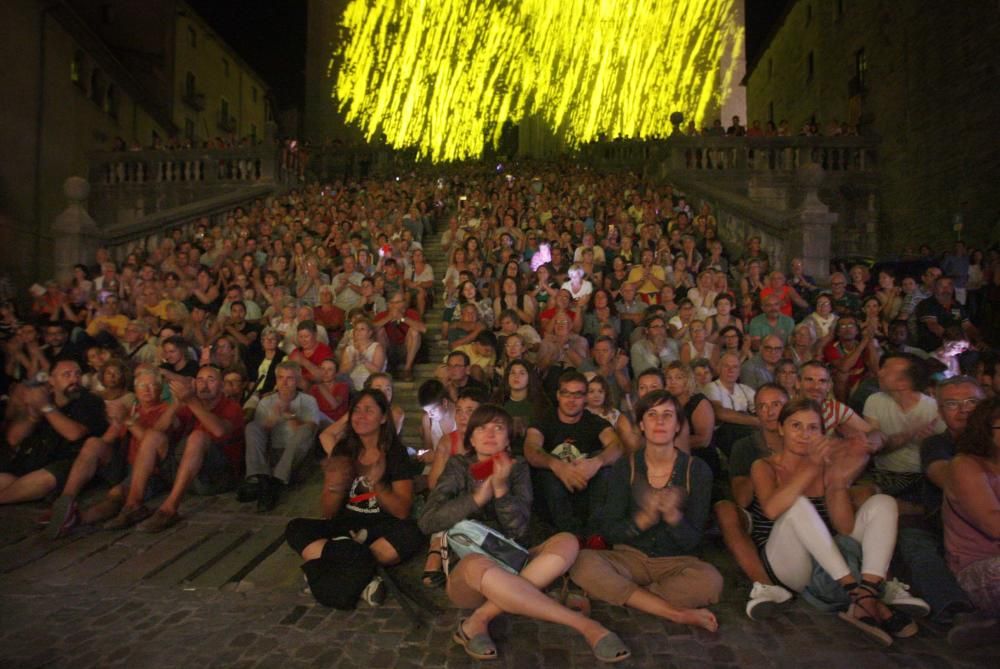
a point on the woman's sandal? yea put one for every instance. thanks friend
(479, 647)
(900, 624)
(434, 578)
(611, 649)
(868, 624)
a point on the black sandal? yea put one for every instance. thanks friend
(899, 624)
(434, 578)
(868, 624)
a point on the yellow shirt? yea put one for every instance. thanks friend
(647, 288)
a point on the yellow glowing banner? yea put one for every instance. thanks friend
(445, 75)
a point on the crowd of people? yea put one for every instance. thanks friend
(619, 381)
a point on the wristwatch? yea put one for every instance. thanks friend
(48, 408)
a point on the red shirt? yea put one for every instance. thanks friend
(341, 392)
(834, 352)
(785, 296)
(396, 332)
(231, 443)
(321, 353)
(146, 418)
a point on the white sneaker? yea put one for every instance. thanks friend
(897, 595)
(765, 600)
(374, 593)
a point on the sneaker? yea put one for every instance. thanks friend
(897, 595)
(374, 593)
(249, 490)
(64, 517)
(765, 600)
(973, 629)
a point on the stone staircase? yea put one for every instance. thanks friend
(405, 392)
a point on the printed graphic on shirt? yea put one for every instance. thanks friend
(567, 451)
(362, 497)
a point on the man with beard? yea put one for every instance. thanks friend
(49, 424)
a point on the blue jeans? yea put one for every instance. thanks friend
(921, 551)
(573, 512)
(823, 592)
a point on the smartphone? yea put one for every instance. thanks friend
(481, 470)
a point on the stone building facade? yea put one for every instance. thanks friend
(924, 77)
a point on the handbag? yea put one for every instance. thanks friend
(469, 537)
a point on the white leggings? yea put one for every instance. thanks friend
(799, 535)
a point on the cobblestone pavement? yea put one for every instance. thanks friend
(69, 618)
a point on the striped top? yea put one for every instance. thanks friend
(761, 528)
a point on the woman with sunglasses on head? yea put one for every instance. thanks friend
(802, 500)
(500, 496)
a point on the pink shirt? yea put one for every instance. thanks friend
(965, 543)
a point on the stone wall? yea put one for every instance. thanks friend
(932, 96)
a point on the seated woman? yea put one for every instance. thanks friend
(503, 500)
(599, 403)
(99, 457)
(363, 356)
(654, 515)
(801, 499)
(971, 514)
(697, 436)
(451, 444)
(334, 432)
(366, 501)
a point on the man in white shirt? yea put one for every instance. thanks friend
(906, 416)
(284, 422)
(347, 285)
(733, 403)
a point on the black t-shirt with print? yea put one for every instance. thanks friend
(571, 441)
(360, 496)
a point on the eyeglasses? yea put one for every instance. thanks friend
(575, 394)
(773, 348)
(968, 403)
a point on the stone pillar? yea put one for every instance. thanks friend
(75, 234)
(813, 239)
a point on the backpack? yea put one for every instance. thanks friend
(469, 537)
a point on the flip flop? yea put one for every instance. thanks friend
(479, 647)
(611, 649)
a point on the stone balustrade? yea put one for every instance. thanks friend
(116, 170)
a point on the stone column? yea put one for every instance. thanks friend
(813, 239)
(75, 234)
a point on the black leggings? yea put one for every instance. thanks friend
(403, 535)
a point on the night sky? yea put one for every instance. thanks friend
(271, 36)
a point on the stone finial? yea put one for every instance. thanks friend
(76, 190)
(810, 176)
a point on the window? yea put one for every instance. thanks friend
(810, 67)
(809, 14)
(76, 69)
(189, 129)
(253, 93)
(192, 37)
(111, 102)
(97, 88)
(770, 111)
(253, 132)
(224, 109)
(225, 68)
(839, 9)
(190, 84)
(861, 68)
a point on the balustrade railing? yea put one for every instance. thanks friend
(117, 170)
